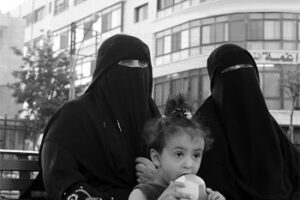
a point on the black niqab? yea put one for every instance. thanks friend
(258, 160)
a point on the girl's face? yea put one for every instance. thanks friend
(182, 154)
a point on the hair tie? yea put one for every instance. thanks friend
(180, 112)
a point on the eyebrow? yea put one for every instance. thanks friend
(181, 148)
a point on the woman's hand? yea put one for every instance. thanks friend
(145, 170)
(171, 192)
(214, 195)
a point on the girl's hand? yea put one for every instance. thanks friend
(145, 170)
(171, 192)
(214, 195)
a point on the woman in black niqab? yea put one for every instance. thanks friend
(91, 143)
(251, 157)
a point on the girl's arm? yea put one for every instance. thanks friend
(214, 195)
(137, 194)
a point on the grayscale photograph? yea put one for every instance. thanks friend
(150, 99)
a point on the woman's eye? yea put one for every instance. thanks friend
(143, 64)
(133, 63)
(126, 61)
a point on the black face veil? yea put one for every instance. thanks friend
(262, 162)
(126, 91)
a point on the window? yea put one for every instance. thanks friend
(176, 41)
(106, 22)
(237, 31)
(272, 45)
(1, 40)
(28, 18)
(167, 44)
(161, 93)
(255, 30)
(116, 18)
(195, 37)
(255, 45)
(205, 83)
(221, 32)
(180, 86)
(141, 13)
(289, 30)
(206, 34)
(158, 94)
(184, 41)
(214, 33)
(64, 38)
(60, 6)
(83, 71)
(185, 82)
(76, 2)
(50, 7)
(272, 30)
(163, 4)
(111, 20)
(160, 46)
(87, 29)
(270, 85)
(194, 91)
(175, 5)
(39, 14)
(299, 32)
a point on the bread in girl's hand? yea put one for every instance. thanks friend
(194, 186)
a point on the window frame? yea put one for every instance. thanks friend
(142, 8)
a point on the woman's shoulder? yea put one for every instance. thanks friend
(69, 112)
(72, 107)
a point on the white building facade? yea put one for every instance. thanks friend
(180, 34)
(11, 35)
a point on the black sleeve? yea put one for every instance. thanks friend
(60, 170)
(62, 177)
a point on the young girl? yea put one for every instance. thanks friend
(176, 145)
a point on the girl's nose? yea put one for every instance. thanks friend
(188, 163)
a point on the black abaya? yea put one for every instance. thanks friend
(92, 142)
(251, 157)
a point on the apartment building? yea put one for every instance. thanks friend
(180, 34)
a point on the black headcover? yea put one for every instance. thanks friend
(251, 158)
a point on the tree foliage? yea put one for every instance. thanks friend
(43, 83)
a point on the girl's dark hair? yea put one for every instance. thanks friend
(176, 119)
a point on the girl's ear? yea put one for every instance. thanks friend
(155, 157)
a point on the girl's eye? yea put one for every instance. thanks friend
(179, 154)
(197, 155)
